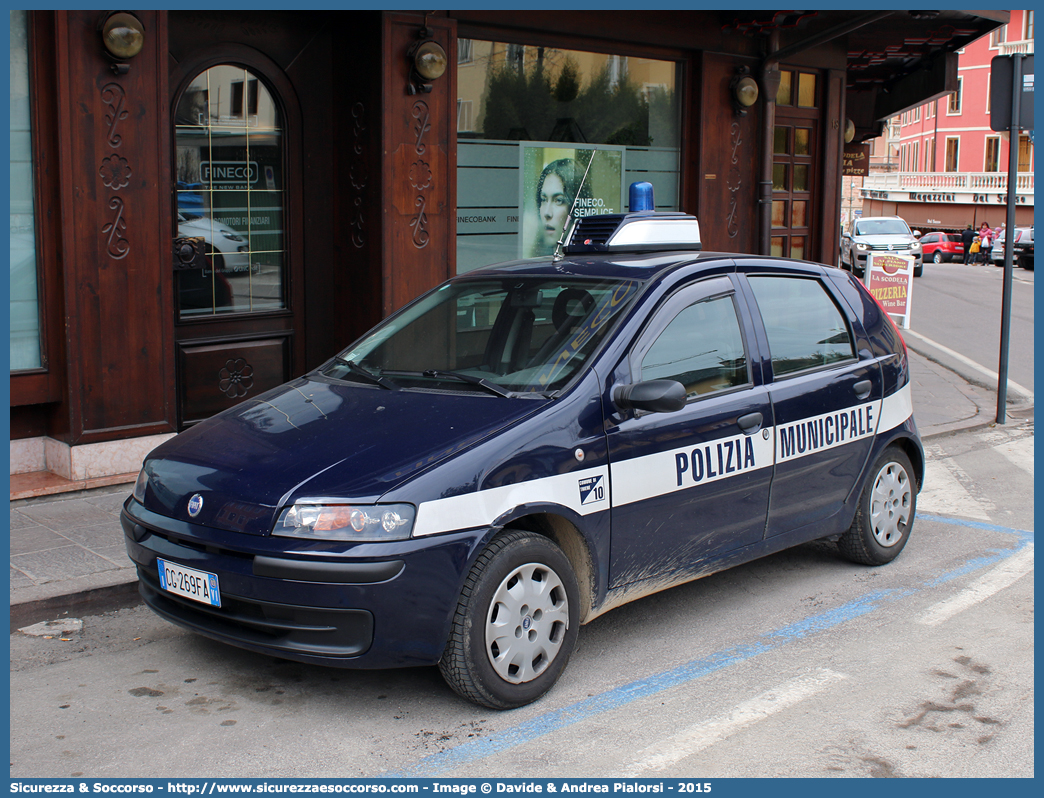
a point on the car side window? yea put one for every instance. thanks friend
(805, 328)
(701, 347)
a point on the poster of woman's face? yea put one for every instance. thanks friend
(555, 191)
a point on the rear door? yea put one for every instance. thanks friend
(691, 485)
(825, 395)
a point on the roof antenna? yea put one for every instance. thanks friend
(557, 255)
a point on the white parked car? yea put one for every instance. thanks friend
(1023, 254)
(228, 248)
(879, 234)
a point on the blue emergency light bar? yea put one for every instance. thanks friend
(642, 230)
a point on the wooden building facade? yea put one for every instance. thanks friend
(330, 183)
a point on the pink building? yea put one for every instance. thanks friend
(940, 166)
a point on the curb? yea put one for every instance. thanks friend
(91, 601)
(970, 376)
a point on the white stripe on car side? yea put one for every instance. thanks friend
(584, 492)
(649, 476)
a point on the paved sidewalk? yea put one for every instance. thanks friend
(67, 554)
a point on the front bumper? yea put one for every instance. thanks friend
(859, 258)
(375, 605)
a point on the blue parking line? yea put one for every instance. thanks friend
(995, 555)
(466, 753)
(976, 525)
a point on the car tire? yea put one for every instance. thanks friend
(919, 270)
(937, 257)
(515, 624)
(885, 516)
(1026, 263)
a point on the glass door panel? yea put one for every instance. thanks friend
(229, 173)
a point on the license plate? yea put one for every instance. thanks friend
(188, 582)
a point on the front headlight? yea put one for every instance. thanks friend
(139, 487)
(915, 246)
(231, 236)
(862, 247)
(348, 522)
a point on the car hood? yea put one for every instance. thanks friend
(313, 439)
(885, 240)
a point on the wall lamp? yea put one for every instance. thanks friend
(849, 131)
(427, 61)
(123, 36)
(744, 90)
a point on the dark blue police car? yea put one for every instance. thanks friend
(530, 445)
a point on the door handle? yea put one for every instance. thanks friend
(750, 422)
(189, 253)
(862, 389)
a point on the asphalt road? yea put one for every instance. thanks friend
(801, 664)
(959, 307)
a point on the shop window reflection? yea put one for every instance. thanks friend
(229, 191)
(518, 104)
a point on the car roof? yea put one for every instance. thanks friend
(630, 266)
(643, 267)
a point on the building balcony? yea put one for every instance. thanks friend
(1010, 48)
(951, 182)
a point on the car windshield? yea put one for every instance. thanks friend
(501, 335)
(882, 227)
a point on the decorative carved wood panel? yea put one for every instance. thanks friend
(115, 248)
(419, 133)
(218, 375)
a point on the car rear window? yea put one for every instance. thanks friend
(805, 328)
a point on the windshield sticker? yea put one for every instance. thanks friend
(606, 309)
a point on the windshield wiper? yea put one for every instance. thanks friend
(376, 379)
(482, 382)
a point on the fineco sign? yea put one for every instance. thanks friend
(890, 279)
(242, 172)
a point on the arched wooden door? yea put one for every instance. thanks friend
(239, 316)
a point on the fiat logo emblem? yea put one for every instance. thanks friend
(195, 505)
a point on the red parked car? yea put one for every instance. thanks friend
(942, 247)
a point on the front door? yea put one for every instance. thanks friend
(795, 152)
(691, 486)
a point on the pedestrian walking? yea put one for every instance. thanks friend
(967, 237)
(986, 245)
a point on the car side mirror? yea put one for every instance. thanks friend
(917, 233)
(652, 396)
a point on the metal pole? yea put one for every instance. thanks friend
(1009, 237)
